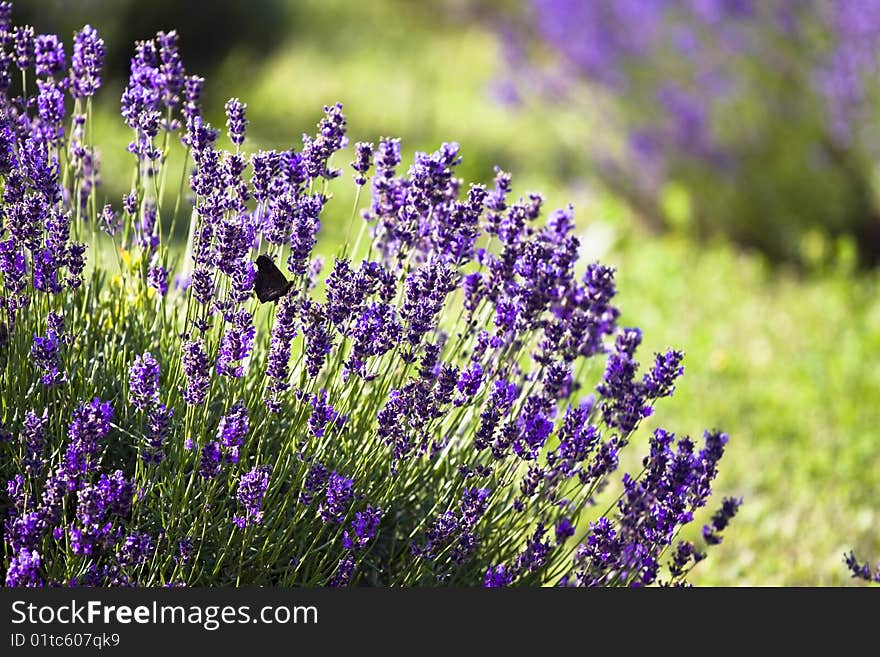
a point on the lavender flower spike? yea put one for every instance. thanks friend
(86, 63)
(143, 381)
(236, 123)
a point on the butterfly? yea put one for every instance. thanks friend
(270, 284)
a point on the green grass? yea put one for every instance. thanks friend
(785, 364)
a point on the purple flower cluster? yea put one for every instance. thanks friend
(236, 344)
(46, 353)
(24, 569)
(91, 423)
(236, 123)
(196, 368)
(96, 505)
(363, 528)
(627, 400)
(251, 489)
(158, 428)
(157, 86)
(861, 570)
(86, 63)
(338, 496)
(143, 382)
(278, 360)
(455, 529)
(323, 416)
(231, 430)
(676, 482)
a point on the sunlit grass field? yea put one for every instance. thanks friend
(784, 362)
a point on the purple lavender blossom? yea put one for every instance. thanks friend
(22, 528)
(860, 570)
(684, 554)
(720, 520)
(25, 45)
(192, 94)
(202, 285)
(158, 428)
(501, 398)
(236, 345)
(232, 429)
(497, 577)
(34, 435)
(362, 161)
(564, 530)
(344, 572)
(135, 550)
(376, 330)
(49, 57)
(473, 504)
(236, 123)
(157, 279)
(323, 416)
(75, 265)
(337, 498)
(676, 481)
(535, 554)
(146, 228)
(46, 352)
(86, 63)
(184, 551)
(130, 204)
(109, 221)
(143, 381)
(266, 168)
(6, 23)
(386, 189)
(154, 86)
(90, 424)
(196, 368)
(24, 569)
(660, 381)
(210, 462)
(443, 529)
(426, 291)
(534, 428)
(278, 360)
(315, 483)
(624, 403)
(330, 138)
(305, 227)
(96, 504)
(251, 488)
(364, 527)
(319, 338)
(455, 529)
(469, 383)
(344, 294)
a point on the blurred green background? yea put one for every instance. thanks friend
(783, 358)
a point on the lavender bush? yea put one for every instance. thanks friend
(416, 416)
(763, 113)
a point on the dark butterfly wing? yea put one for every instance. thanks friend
(270, 284)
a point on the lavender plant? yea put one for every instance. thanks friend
(762, 112)
(417, 416)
